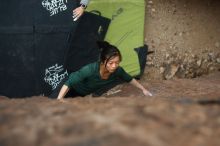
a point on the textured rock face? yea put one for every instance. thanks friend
(189, 65)
(183, 34)
(181, 112)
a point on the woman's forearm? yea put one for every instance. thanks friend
(138, 85)
(135, 83)
(63, 92)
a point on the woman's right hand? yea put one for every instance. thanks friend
(62, 93)
(61, 100)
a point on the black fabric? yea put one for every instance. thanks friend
(82, 46)
(17, 71)
(17, 13)
(55, 17)
(51, 46)
(31, 41)
(142, 56)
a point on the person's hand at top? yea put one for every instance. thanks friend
(77, 13)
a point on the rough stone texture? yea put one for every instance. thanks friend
(182, 112)
(185, 37)
(184, 33)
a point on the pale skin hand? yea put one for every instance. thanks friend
(138, 85)
(78, 12)
(62, 93)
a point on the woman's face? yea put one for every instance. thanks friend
(113, 64)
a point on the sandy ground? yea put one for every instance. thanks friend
(182, 112)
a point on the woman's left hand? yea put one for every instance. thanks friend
(147, 93)
(78, 13)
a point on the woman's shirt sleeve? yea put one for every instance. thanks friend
(124, 75)
(85, 2)
(78, 76)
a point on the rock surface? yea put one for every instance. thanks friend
(183, 34)
(182, 112)
(185, 38)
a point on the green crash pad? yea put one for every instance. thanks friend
(126, 30)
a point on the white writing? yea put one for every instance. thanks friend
(54, 6)
(52, 76)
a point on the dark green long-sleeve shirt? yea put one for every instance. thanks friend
(87, 80)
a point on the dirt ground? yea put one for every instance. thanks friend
(185, 38)
(183, 111)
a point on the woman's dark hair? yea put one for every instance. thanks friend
(108, 51)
